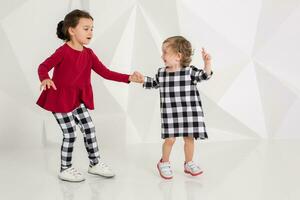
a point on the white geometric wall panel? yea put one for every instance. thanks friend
(254, 93)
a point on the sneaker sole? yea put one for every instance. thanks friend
(197, 174)
(69, 180)
(168, 178)
(106, 176)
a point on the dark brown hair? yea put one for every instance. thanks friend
(181, 45)
(70, 20)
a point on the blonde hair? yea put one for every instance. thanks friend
(181, 45)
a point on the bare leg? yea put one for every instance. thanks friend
(188, 148)
(166, 149)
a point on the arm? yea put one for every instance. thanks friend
(103, 71)
(150, 83)
(198, 75)
(46, 66)
(49, 63)
(207, 62)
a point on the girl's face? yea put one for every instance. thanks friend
(169, 56)
(83, 32)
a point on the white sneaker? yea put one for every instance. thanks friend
(192, 169)
(165, 170)
(101, 169)
(71, 174)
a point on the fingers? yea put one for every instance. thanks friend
(137, 77)
(47, 84)
(53, 85)
(205, 55)
(41, 87)
(140, 77)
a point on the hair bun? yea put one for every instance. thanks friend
(59, 31)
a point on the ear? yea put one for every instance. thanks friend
(179, 56)
(71, 31)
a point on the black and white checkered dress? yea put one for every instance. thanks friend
(180, 104)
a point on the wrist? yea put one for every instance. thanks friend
(207, 70)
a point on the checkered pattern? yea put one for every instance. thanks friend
(181, 109)
(67, 122)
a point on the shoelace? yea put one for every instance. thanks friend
(74, 171)
(102, 164)
(165, 168)
(193, 166)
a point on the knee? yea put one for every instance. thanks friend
(170, 141)
(188, 140)
(70, 137)
(89, 129)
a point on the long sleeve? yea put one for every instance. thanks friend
(150, 83)
(103, 71)
(198, 75)
(49, 63)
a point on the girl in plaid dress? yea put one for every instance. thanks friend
(69, 93)
(181, 109)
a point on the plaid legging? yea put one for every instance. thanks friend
(67, 122)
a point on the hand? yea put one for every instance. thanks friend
(136, 77)
(207, 61)
(46, 84)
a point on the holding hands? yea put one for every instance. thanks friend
(136, 77)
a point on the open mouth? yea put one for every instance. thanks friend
(89, 38)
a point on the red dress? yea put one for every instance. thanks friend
(72, 77)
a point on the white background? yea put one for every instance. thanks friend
(254, 93)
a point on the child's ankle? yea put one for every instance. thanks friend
(164, 160)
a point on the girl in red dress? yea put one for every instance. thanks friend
(68, 94)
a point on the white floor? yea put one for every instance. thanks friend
(233, 170)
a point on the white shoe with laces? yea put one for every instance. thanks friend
(101, 169)
(165, 170)
(192, 169)
(71, 174)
